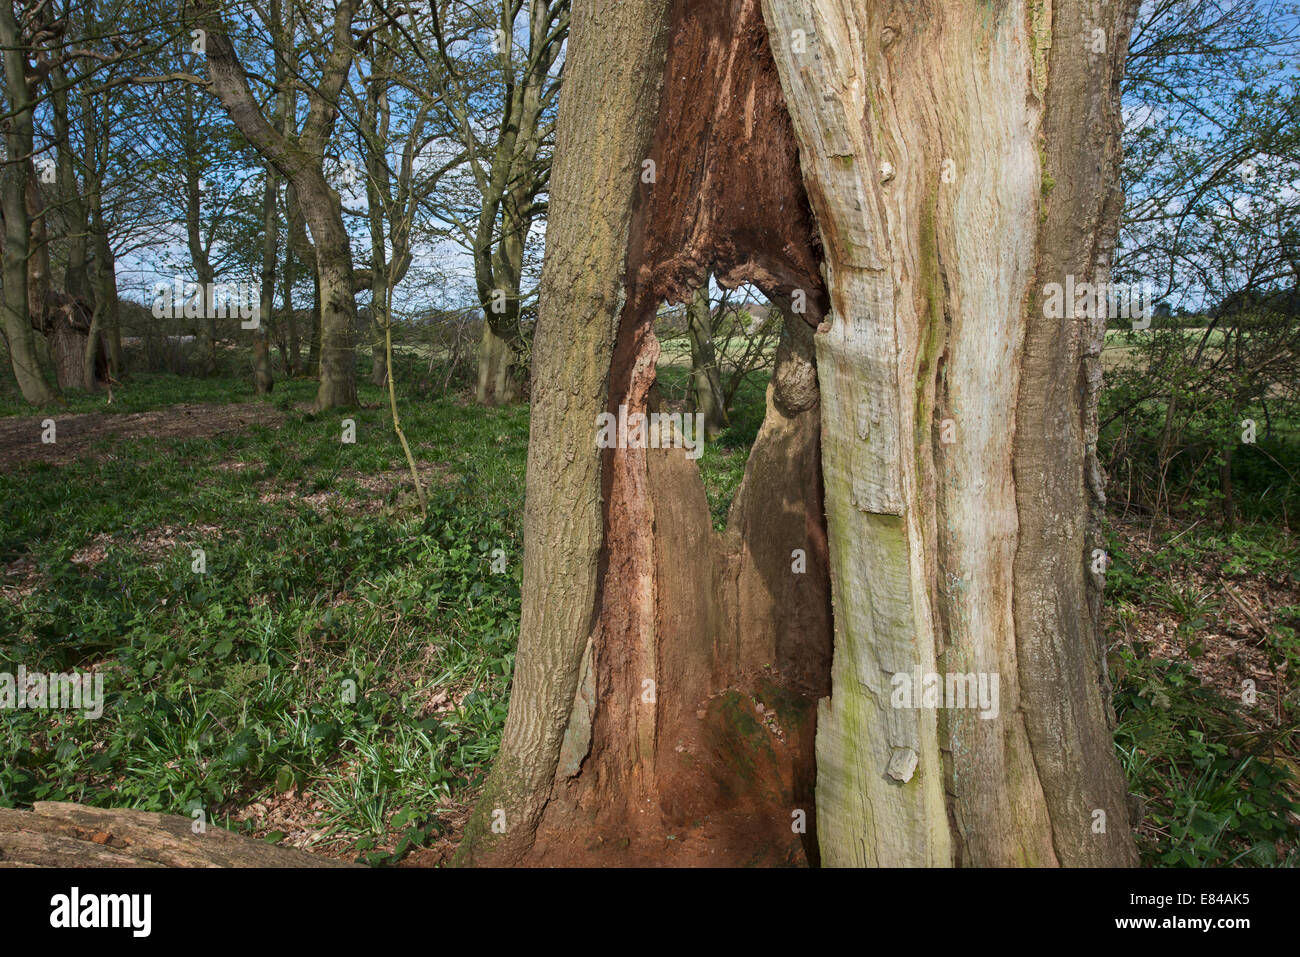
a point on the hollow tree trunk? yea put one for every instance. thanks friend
(956, 158)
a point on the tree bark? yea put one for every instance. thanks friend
(60, 834)
(13, 201)
(499, 377)
(112, 333)
(934, 463)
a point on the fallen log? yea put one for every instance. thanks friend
(56, 834)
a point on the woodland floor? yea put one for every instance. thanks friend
(229, 690)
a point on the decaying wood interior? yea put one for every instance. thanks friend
(736, 643)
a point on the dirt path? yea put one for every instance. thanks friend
(76, 435)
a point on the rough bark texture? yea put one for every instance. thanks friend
(1058, 481)
(921, 126)
(946, 502)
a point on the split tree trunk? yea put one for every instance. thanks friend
(956, 158)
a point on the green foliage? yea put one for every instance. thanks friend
(1218, 789)
(1213, 792)
(230, 685)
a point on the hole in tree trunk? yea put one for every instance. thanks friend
(691, 738)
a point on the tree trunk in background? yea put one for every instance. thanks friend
(499, 265)
(76, 275)
(706, 379)
(69, 323)
(295, 231)
(96, 358)
(499, 380)
(13, 202)
(113, 314)
(337, 305)
(374, 125)
(314, 340)
(509, 189)
(957, 159)
(378, 365)
(263, 381)
(294, 361)
(203, 270)
(301, 162)
(305, 250)
(19, 334)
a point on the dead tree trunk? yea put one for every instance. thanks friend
(932, 467)
(56, 834)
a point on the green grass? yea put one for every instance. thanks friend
(234, 684)
(1215, 791)
(151, 391)
(340, 644)
(1218, 789)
